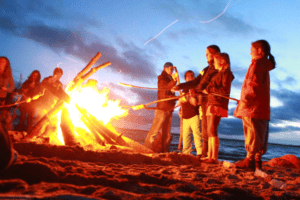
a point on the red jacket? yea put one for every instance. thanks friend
(255, 94)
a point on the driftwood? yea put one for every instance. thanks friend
(117, 138)
(45, 120)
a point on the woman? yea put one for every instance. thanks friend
(7, 84)
(29, 88)
(217, 106)
(254, 105)
(200, 83)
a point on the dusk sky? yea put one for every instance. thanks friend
(138, 37)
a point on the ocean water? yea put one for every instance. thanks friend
(229, 149)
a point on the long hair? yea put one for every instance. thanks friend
(226, 58)
(7, 71)
(213, 49)
(38, 78)
(266, 48)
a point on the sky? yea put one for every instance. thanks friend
(138, 37)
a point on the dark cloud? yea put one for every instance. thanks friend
(288, 81)
(134, 63)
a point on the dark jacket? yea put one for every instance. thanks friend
(255, 94)
(220, 84)
(165, 84)
(201, 82)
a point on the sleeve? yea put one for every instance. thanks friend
(190, 84)
(254, 82)
(207, 78)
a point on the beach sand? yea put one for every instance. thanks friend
(45, 171)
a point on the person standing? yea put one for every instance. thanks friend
(191, 119)
(200, 83)
(254, 105)
(163, 113)
(217, 106)
(7, 85)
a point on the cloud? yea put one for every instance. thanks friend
(133, 62)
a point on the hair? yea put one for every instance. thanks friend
(266, 48)
(38, 78)
(7, 71)
(58, 70)
(189, 71)
(225, 57)
(213, 49)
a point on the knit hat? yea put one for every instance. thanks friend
(168, 64)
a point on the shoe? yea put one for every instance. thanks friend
(258, 164)
(211, 161)
(246, 164)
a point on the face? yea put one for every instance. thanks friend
(209, 56)
(169, 70)
(255, 52)
(189, 76)
(35, 76)
(218, 62)
(57, 76)
(3, 64)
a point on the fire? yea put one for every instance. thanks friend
(98, 104)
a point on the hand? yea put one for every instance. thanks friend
(204, 92)
(175, 88)
(183, 99)
(4, 88)
(175, 76)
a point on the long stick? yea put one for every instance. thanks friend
(181, 120)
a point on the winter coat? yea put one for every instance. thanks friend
(201, 82)
(165, 84)
(255, 94)
(220, 84)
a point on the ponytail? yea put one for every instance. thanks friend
(272, 59)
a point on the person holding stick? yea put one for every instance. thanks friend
(200, 83)
(254, 105)
(163, 113)
(190, 118)
(217, 106)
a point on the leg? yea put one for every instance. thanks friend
(195, 125)
(186, 137)
(166, 131)
(204, 131)
(213, 122)
(156, 126)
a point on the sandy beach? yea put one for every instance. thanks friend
(45, 171)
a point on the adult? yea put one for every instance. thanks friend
(191, 119)
(200, 83)
(163, 113)
(7, 85)
(29, 89)
(254, 105)
(217, 106)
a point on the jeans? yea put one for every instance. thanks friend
(192, 124)
(256, 137)
(162, 120)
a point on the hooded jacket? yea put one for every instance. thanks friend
(220, 84)
(165, 84)
(255, 94)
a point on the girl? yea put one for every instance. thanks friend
(217, 106)
(7, 84)
(254, 105)
(29, 88)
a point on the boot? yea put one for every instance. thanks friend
(214, 150)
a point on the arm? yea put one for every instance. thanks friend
(190, 84)
(164, 83)
(224, 89)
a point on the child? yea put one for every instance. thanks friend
(217, 106)
(254, 105)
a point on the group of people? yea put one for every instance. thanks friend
(30, 88)
(205, 101)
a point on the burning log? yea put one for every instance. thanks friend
(79, 79)
(67, 128)
(119, 139)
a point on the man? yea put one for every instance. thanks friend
(191, 120)
(163, 113)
